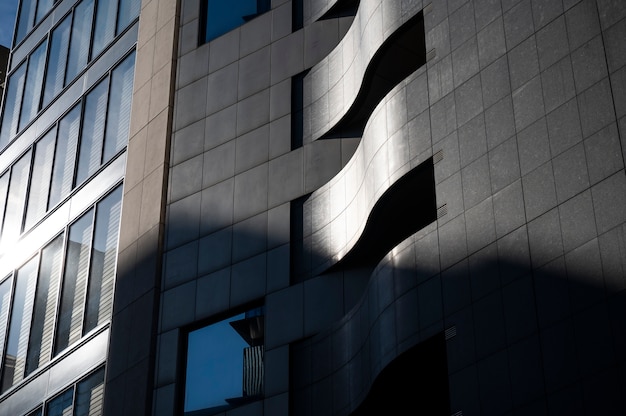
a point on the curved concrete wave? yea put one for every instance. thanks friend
(336, 81)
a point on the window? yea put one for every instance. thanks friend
(82, 399)
(221, 16)
(79, 37)
(225, 363)
(79, 263)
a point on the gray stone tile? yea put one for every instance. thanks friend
(249, 237)
(417, 95)
(539, 191)
(596, 107)
(578, 223)
(251, 192)
(462, 25)
(528, 103)
(215, 251)
(181, 265)
(221, 88)
(220, 127)
(534, 146)
(469, 99)
(450, 192)
(183, 221)
(284, 311)
(589, 64)
(438, 38)
(544, 236)
(611, 11)
(440, 79)
(604, 154)
(287, 57)
(254, 73)
(219, 164)
(252, 148)
(618, 86)
(253, 111)
(419, 135)
(495, 81)
(442, 118)
(564, 127)
(278, 268)
(544, 11)
(518, 23)
(609, 200)
(465, 61)
(552, 43)
(480, 225)
(213, 293)
(452, 241)
(476, 182)
(504, 164)
(248, 280)
(570, 172)
(472, 140)
(191, 106)
(486, 11)
(523, 63)
(178, 308)
(613, 259)
(450, 163)
(255, 34)
(224, 50)
(614, 45)
(582, 23)
(557, 83)
(216, 210)
(186, 178)
(514, 255)
(188, 142)
(499, 122)
(508, 206)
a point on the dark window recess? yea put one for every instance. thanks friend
(297, 109)
(414, 383)
(220, 16)
(297, 15)
(299, 268)
(400, 55)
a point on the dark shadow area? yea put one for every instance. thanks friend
(400, 55)
(414, 383)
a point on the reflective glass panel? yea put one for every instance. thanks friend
(11, 109)
(69, 326)
(129, 10)
(222, 16)
(105, 26)
(61, 405)
(90, 153)
(104, 253)
(43, 7)
(4, 187)
(57, 60)
(65, 156)
(5, 301)
(40, 178)
(15, 201)
(40, 342)
(89, 395)
(26, 19)
(225, 363)
(34, 84)
(120, 99)
(81, 36)
(14, 362)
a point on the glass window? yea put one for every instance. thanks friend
(81, 36)
(225, 363)
(92, 135)
(40, 178)
(84, 399)
(57, 60)
(26, 18)
(43, 7)
(5, 301)
(4, 187)
(40, 342)
(129, 10)
(69, 326)
(33, 86)
(120, 99)
(15, 201)
(103, 256)
(221, 16)
(65, 156)
(12, 100)
(14, 362)
(105, 25)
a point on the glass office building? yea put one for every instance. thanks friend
(314, 207)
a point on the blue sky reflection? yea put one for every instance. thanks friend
(8, 10)
(214, 365)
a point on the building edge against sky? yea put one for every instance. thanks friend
(384, 204)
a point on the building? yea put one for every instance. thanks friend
(314, 207)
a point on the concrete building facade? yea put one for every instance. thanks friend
(314, 207)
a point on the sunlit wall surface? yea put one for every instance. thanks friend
(63, 140)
